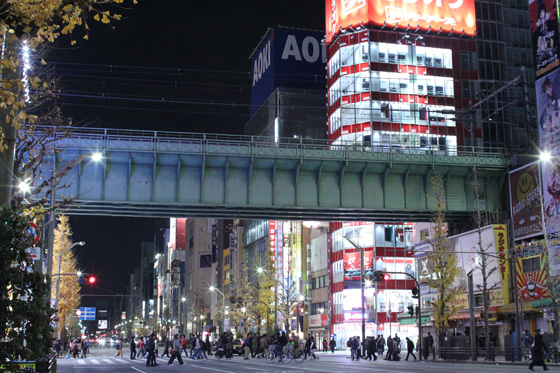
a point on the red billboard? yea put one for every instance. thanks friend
(457, 16)
(352, 265)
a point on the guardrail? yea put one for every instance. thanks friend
(152, 139)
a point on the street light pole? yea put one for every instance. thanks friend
(213, 288)
(362, 279)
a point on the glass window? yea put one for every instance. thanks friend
(531, 264)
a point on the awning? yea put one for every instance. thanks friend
(510, 308)
(414, 320)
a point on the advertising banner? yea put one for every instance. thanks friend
(502, 249)
(352, 265)
(370, 308)
(544, 33)
(548, 111)
(551, 196)
(531, 271)
(525, 201)
(457, 16)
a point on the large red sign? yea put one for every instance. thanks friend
(457, 16)
(352, 265)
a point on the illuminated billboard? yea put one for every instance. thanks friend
(531, 271)
(544, 32)
(457, 16)
(525, 201)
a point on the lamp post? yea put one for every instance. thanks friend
(262, 270)
(81, 243)
(213, 288)
(362, 279)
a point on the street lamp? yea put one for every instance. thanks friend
(261, 270)
(213, 288)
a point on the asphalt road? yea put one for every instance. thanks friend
(102, 360)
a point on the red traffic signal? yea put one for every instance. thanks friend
(92, 280)
(78, 312)
(386, 277)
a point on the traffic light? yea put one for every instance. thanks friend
(386, 277)
(415, 292)
(91, 280)
(78, 312)
(411, 310)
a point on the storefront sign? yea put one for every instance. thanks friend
(318, 321)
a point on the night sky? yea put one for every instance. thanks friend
(169, 65)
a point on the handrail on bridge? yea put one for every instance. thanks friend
(271, 142)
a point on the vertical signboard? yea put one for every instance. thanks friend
(500, 240)
(544, 33)
(531, 271)
(525, 201)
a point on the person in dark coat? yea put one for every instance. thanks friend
(132, 349)
(410, 348)
(371, 348)
(538, 351)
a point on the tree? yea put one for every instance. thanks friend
(484, 263)
(24, 308)
(288, 295)
(28, 24)
(442, 264)
(69, 292)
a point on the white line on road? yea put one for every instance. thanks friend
(138, 370)
(95, 362)
(81, 362)
(109, 361)
(217, 370)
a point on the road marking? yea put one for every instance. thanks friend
(109, 361)
(81, 362)
(138, 370)
(94, 361)
(216, 370)
(122, 361)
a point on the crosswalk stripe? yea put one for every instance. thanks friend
(122, 361)
(94, 361)
(109, 361)
(81, 362)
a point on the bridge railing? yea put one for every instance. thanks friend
(138, 140)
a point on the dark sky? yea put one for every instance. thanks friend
(174, 65)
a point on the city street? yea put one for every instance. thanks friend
(103, 360)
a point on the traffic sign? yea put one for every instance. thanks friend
(33, 231)
(88, 313)
(34, 252)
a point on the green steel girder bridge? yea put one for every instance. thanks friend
(164, 174)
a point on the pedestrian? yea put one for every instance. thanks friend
(208, 345)
(247, 347)
(371, 347)
(410, 348)
(132, 349)
(183, 346)
(538, 351)
(166, 348)
(325, 346)
(229, 346)
(193, 344)
(151, 349)
(307, 346)
(357, 348)
(118, 347)
(58, 347)
(430, 346)
(380, 345)
(203, 349)
(389, 354)
(176, 350)
(140, 348)
(313, 348)
(527, 340)
(264, 346)
(332, 344)
(396, 350)
(75, 349)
